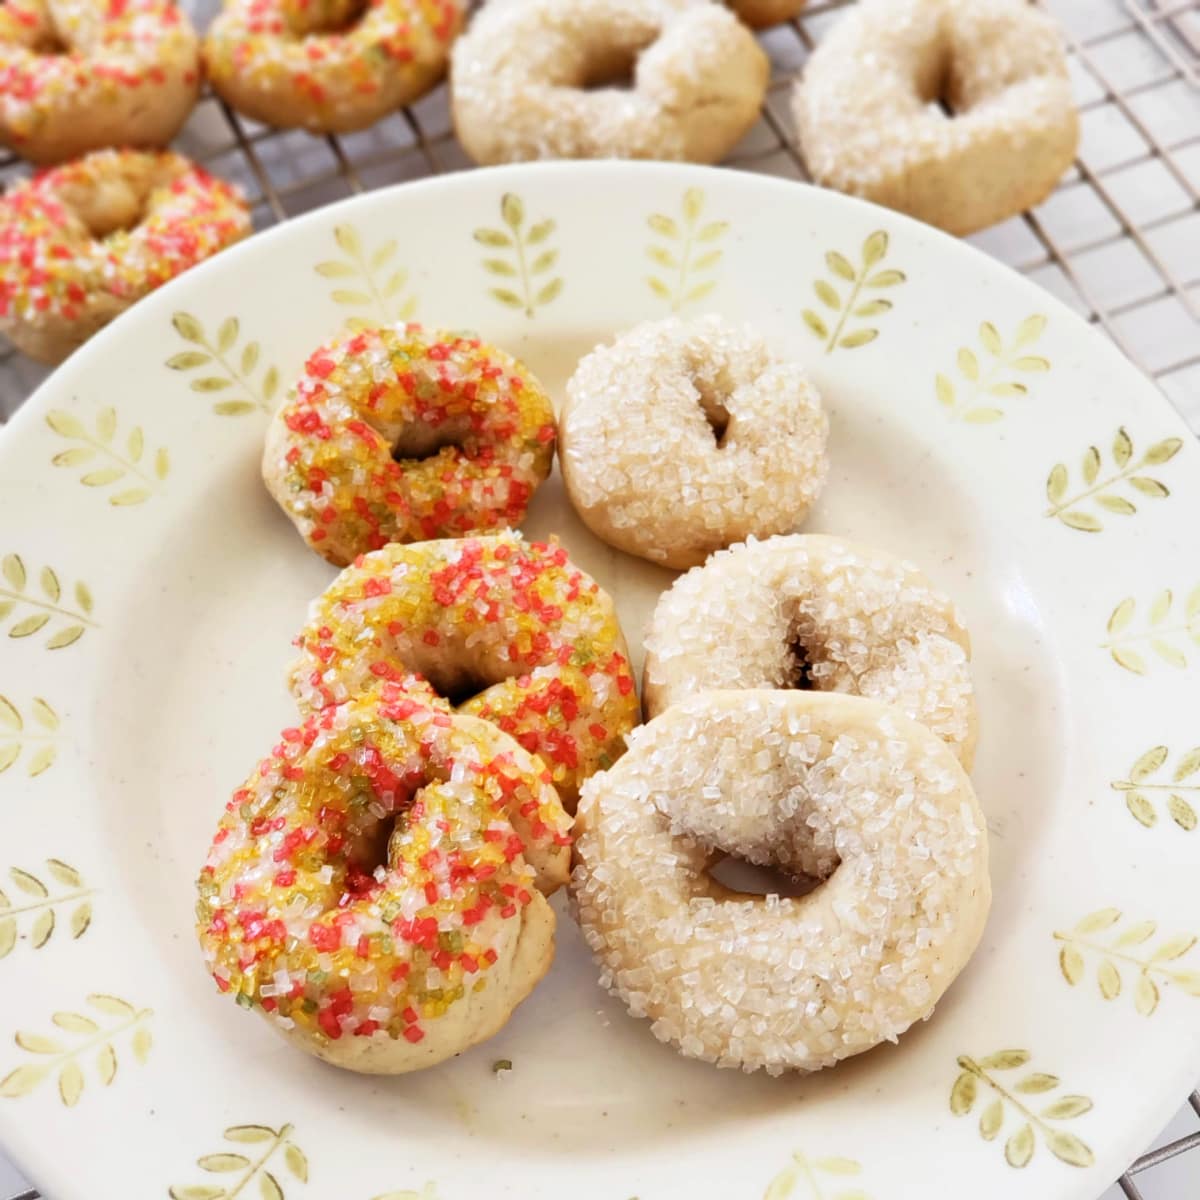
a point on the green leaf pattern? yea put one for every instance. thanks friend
(368, 281)
(44, 606)
(39, 734)
(107, 463)
(840, 327)
(1133, 946)
(224, 366)
(38, 907)
(1151, 783)
(1111, 490)
(1007, 1106)
(829, 1178)
(686, 252)
(257, 1158)
(92, 1037)
(1165, 634)
(985, 378)
(521, 255)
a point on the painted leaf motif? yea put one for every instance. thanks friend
(1181, 812)
(1056, 483)
(1036, 1083)
(1029, 331)
(112, 1006)
(23, 1080)
(9, 715)
(1141, 809)
(1091, 465)
(840, 266)
(1005, 1060)
(1122, 449)
(106, 1064)
(1122, 615)
(1135, 935)
(1096, 922)
(65, 424)
(945, 390)
(1082, 521)
(968, 365)
(837, 1166)
(75, 1022)
(221, 1164)
(494, 238)
(249, 1134)
(143, 1040)
(1150, 487)
(815, 323)
(296, 1162)
(1018, 1150)
(29, 884)
(1164, 451)
(1066, 1108)
(81, 918)
(70, 1083)
(963, 1093)
(1145, 995)
(1067, 1147)
(512, 209)
(1071, 964)
(268, 1187)
(197, 1192)
(9, 755)
(780, 1188)
(1173, 948)
(8, 936)
(1170, 654)
(989, 336)
(884, 279)
(874, 248)
(693, 204)
(347, 238)
(992, 1120)
(827, 295)
(35, 1043)
(42, 928)
(540, 232)
(1131, 660)
(188, 327)
(14, 571)
(1109, 979)
(1148, 764)
(860, 337)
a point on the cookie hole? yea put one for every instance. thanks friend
(322, 17)
(609, 70)
(417, 442)
(749, 879)
(456, 685)
(799, 676)
(716, 414)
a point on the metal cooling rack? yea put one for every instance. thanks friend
(1119, 240)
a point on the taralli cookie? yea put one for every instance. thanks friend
(833, 788)
(815, 612)
(80, 243)
(375, 888)
(330, 66)
(506, 629)
(864, 110)
(80, 75)
(526, 80)
(685, 436)
(758, 14)
(402, 435)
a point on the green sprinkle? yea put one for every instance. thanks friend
(501, 1064)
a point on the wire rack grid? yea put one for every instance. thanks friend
(1118, 241)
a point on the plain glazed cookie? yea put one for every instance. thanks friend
(508, 630)
(82, 242)
(329, 66)
(80, 75)
(402, 434)
(685, 436)
(867, 125)
(375, 888)
(833, 788)
(527, 76)
(820, 613)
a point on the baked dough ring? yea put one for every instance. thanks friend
(400, 434)
(685, 436)
(375, 888)
(79, 75)
(866, 124)
(329, 66)
(82, 242)
(834, 788)
(815, 612)
(520, 70)
(510, 630)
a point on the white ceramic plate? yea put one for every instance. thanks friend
(151, 589)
